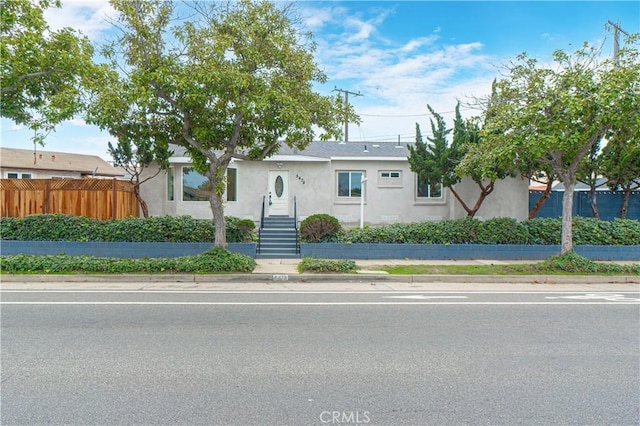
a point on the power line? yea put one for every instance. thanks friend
(412, 115)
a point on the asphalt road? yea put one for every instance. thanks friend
(243, 358)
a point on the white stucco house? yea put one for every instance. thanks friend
(329, 177)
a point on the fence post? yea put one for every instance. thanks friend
(47, 196)
(114, 201)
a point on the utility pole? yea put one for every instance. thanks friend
(616, 42)
(346, 110)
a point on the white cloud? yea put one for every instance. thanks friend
(417, 43)
(398, 78)
(87, 16)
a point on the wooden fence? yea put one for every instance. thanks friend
(97, 198)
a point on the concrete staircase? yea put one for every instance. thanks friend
(278, 239)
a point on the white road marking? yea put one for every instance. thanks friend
(598, 296)
(323, 303)
(187, 291)
(422, 296)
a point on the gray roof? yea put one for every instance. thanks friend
(332, 149)
(23, 159)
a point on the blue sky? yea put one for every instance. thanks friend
(400, 55)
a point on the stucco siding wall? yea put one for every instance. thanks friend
(508, 199)
(384, 203)
(314, 185)
(154, 192)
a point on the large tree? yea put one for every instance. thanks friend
(40, 69)
(232, 80)
(555, 114)
(141, 139)
(439, 159)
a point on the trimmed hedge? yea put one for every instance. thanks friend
(215, 260)
(309, 264)
(586, 231)
(58, 227)
(545, 231)
(319, 228)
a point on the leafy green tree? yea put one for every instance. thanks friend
(588, 173)
(438, 161)
(541, 173)
(141, 138)
(556, 113)
(621, 167)
(232, 80)
(40, 69)
(135, 156)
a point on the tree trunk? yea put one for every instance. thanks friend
(567, 217)
(141, 201)
(484, 191)
(625, 201)
(219, 221)
(593, 202)
(540, 202)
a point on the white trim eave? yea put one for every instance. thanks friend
(369, 158)
(298, 158)
(178, 160)
(275, 158)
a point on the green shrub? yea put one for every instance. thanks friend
(625, 231)
(215, 260)
(545, 231)
(574, 263)
(319, 227)
(244, 226)
(587, 231)
(569, 262)
(592, 231)
(309, 264)
(57, 227)
(502, 230)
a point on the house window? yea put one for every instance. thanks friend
(350, 184)
(232, 184)
(389, 178)
(170, 190)
(18, 175)
(195, 186)
(428, 190)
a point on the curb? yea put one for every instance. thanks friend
(337, 278)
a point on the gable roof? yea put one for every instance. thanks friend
(332, 150)
(23, 159)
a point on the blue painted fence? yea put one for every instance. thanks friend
(325, 250)
(609, 204)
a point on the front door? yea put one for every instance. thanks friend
(278, 192)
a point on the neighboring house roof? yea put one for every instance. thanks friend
(49, 161)
(601, 185)
(333, 151)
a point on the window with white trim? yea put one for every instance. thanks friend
(19, 175)
(350, 184)
(389, 178)
(232, 184)
(170, 184)
(426, 190)
(195, 186)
